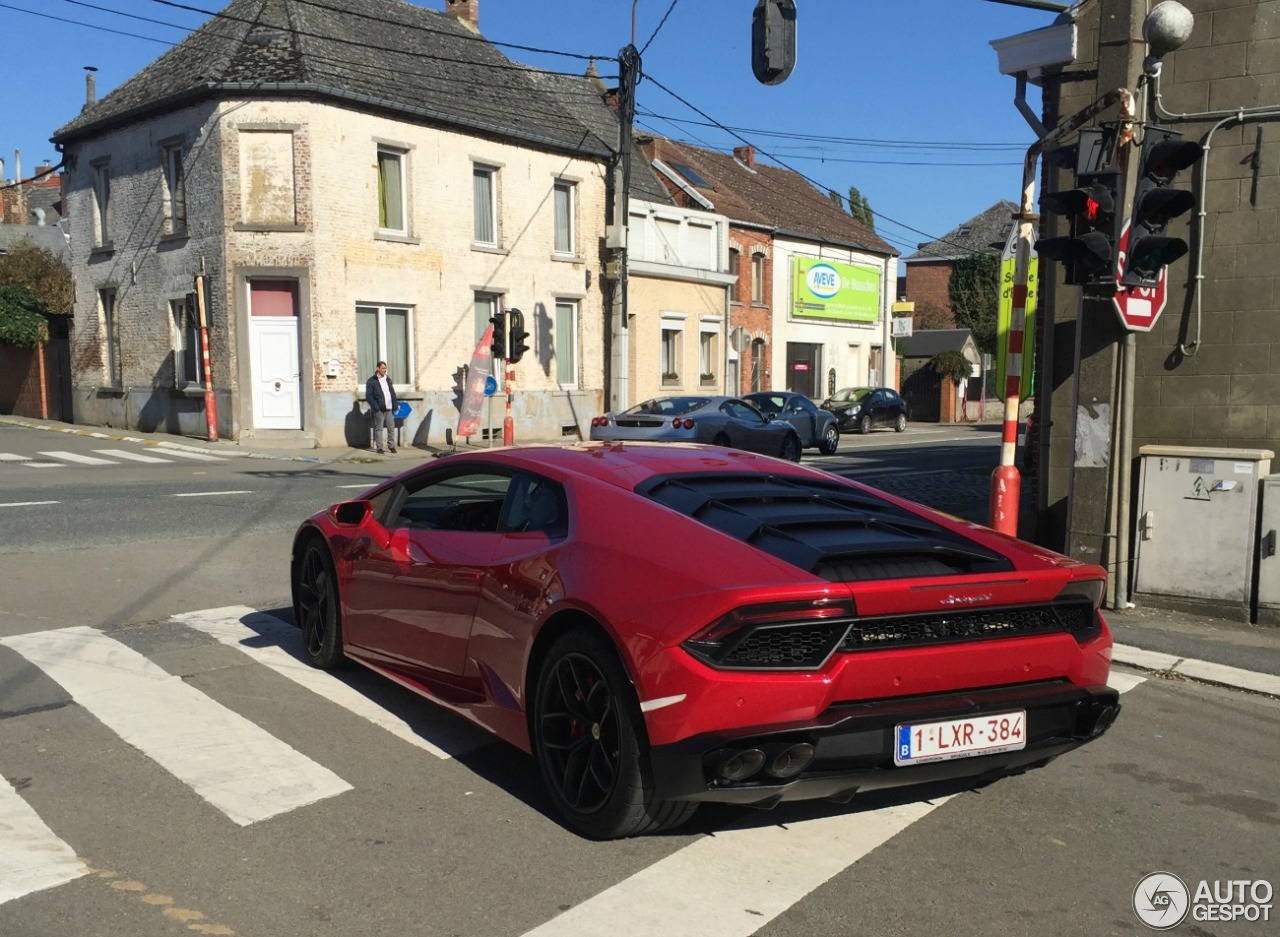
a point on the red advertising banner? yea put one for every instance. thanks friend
(473, 394)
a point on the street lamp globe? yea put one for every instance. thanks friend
(1165, 29)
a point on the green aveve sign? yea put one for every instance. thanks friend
(828, 289)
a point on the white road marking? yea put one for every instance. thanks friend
(210, 494)
(76, 457)
(32, 857)
(355, 486)
(265, 638)
(43, 464)
(185, 454)
(237, 767)
(131, 456)
(745, 877)
(26, 504)
(13, 457)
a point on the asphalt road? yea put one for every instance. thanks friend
(397, 818)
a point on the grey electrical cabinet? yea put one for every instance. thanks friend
(1268, 612)
(1197, 526)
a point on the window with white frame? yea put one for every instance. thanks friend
(672, 351)
(486, 306)
(188, 353)
(484, 183)
(757, 278)
(175, 190)
(708, 355)
(565, 209)
(393, 210)
(701, 246)
(111, 338)
(101, 203)
(565, 338)
(385, 333)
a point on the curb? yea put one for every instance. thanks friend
(158, 443)
(1202, 671)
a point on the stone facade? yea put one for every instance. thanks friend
(287, 192)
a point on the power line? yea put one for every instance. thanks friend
(851, 141)
(808, 179)
(661, 23)
(887, 162)
(105, 29)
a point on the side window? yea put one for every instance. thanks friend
(460, 501)
(537, 504)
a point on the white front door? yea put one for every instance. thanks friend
(273, 350)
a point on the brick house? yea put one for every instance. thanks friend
(925, 276)
(780, 228)
(374, 197)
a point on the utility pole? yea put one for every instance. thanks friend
(616, 239)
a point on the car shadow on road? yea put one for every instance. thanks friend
(516, 772)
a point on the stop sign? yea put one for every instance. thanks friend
(1138, 306)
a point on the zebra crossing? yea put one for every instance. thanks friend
(61, 458)
(247, 775)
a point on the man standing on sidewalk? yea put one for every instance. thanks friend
(382, 407)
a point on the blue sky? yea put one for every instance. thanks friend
(901, 98)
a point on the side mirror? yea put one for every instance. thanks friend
(351, 513)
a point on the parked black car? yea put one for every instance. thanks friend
(817, 427)
(863, 408)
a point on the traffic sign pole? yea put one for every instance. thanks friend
(508, 424)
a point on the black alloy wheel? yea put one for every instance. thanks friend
(315, 605)
(588, 737)
(830, 440)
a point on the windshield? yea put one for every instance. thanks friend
(850, 394)
(666, 406)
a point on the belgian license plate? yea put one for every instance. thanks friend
(960, 738)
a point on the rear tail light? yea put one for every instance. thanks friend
(1077, 606)
(778, 636)
(678, 423)
(599, 421)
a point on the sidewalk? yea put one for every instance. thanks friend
(1169, 643)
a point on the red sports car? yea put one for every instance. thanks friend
(665, 624)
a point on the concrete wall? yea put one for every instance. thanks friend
(1207, 374)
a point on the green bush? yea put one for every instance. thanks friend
(951, 362)
(21, 323)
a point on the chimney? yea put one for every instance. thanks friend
(745, 155)
(15, 201)
(466, 12)
(90, 92)
(648, 146)
(594, 77)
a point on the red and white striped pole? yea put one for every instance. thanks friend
(508, 424)
(206, 369)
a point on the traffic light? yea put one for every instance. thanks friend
(773, 40)
(499, 344)
(519, 337)
(1089, 250)
(1155, 202)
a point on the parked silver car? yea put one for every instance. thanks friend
(719, 421)
(817, 427)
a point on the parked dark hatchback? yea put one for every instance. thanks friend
(863, 408)
(817, 427)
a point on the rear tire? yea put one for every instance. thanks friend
(721, 440)
(791, 448)
(901, 425)
(830, 440)
(588, 737)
